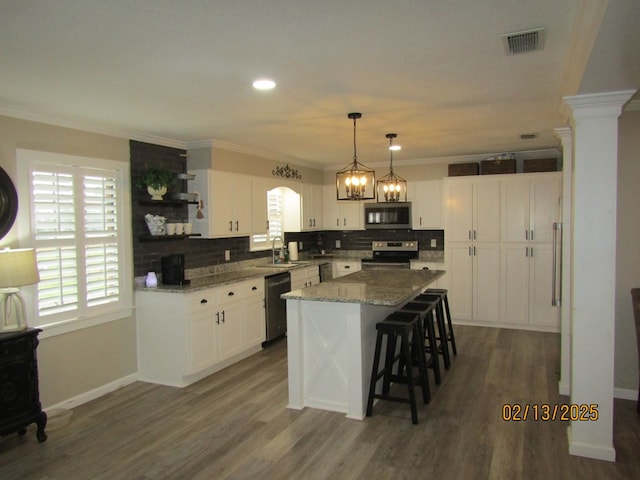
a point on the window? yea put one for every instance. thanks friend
(79, 227)
(283, 213)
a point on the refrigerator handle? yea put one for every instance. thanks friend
(556, 279)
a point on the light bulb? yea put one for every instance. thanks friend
(347, 181)
(356, 181)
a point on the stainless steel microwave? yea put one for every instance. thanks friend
(387, 215)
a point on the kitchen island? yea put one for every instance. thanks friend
(331, 335)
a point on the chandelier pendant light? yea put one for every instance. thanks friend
(392, 187)
(355, 181)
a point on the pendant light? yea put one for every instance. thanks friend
(355, 181)
(392, 187)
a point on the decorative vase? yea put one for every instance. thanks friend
(157, 194)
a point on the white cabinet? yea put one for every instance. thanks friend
(525, 286)
(472, 279)
(472, 209)
(345, 267)
(426, 204)
(344, 215)
(185, 337)
(529, 206)
(303, 277)
(227, 201)
(440, 282)
(312, 199)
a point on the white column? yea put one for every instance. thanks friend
(595, 119)
(566, 137)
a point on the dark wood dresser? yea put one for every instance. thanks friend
(19, 396)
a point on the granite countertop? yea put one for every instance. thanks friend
(372, 287)
(218, 279)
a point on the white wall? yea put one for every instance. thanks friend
(84, 361)
(627, 252)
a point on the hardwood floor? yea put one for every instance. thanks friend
(235, 424)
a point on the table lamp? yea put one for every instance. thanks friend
(17, 268)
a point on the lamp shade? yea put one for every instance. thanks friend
(18, 267)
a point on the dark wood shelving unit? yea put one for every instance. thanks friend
(166, 203)
(152, 238)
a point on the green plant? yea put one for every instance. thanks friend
(157, 177)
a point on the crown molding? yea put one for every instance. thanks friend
(476, 157)
(233, 147)
(9, 111)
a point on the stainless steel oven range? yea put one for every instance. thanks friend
(391, 254)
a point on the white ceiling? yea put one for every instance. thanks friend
(434, 72)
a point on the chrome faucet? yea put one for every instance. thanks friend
(273, 248)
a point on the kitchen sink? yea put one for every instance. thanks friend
(284, 265)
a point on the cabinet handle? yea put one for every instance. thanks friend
(267, 224)
(314, 222)
(531, 235)
(469, 234)
(526, 251)
(474, 235)
(420, 221)
(230, 225)
(204, 300)
(222, 316)
(474, 251)
(469, 250)
(337, 222)
(526, 234)
(230, 294)
(531, 252)
(344, 221)
(347, 267)
(218, 318)
(237, 226)
(254, 288)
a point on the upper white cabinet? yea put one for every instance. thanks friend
(312, 199)
(472, 209)
(529, 207)
(426, 204)
(259, 208)
(344, 215)
(227, 201)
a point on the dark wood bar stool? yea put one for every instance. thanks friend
(442, 292)
(426, 312)
(406, 328)
(441, 338)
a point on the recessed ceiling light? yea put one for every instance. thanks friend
(264, 84)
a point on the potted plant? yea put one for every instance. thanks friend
(157, 180)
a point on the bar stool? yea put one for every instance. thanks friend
(406, 328)
(426, 312)
(442, 343)
(442, 292)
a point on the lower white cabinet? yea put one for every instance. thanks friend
(526, 286)
(473, 281)
(185, 337)
(304, 277)
(440, 282)
(345, 267)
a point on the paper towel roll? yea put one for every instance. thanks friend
(293, 251)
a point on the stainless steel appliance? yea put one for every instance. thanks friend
(387, 215)
(276, 307)
(326, 272)
(391, 254)
(173, 269)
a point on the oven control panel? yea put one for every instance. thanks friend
(395, 246)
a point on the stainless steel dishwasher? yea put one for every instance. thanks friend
(276, 307)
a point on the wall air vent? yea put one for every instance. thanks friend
(526, 41)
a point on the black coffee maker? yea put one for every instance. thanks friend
(173, 270)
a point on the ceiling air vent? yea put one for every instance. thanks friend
(526, 41)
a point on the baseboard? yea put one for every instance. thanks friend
(625, 394)
(591, 451)
(95, 393)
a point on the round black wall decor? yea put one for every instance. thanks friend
(8, 203)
